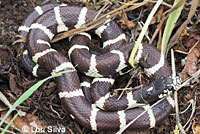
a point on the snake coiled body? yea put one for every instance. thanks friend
(98, 111)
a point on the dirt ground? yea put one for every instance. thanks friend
(44, 104)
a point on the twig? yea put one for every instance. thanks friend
(186, 109)
(175, 95)
(8, 131)
(195, 45)
(175, 92)
(193, 102)
(124, 89)
(98, 21)
(177, 113)
(128, 84)
(195, 75)
(56, 112)
(131, 122)
(101, 10)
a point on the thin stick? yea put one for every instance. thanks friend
(128, 84)
(187, 82)
(98, 21)
(176, 95)
(193, 102)
(131, 122)
(186, 109)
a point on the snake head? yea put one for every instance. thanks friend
(158, 88)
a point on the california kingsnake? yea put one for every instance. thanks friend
(47, 20)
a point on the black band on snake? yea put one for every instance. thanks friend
(99, 110)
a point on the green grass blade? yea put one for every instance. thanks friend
(171, 21)
(8, 125)
(144, 29)
(29, 92)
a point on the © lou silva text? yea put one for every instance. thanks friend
(49, 129)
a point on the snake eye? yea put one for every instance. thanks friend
(169, 83)
(170, 87)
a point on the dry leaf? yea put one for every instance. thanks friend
(192, 59)
(29, 123)
(125, 23)
(21, 124)
(197, 129)
(158, 16)
(13, 85)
